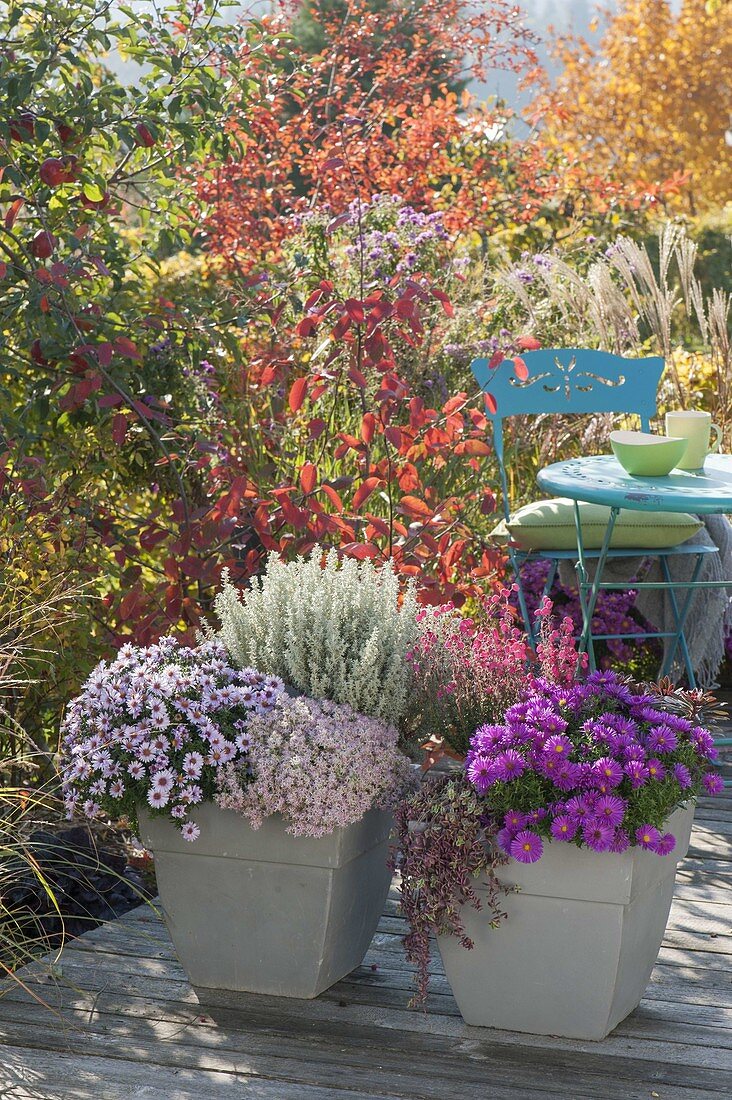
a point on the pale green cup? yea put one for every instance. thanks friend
(697, 427)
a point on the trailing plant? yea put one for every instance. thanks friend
(318, 763)
(333, 629)
(444, 854)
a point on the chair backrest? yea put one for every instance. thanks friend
(568, 380)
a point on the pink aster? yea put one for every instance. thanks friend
(157, 798)
(526, 847)
(190, 831)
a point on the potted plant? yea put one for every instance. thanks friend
(558, 872)
(268, 814)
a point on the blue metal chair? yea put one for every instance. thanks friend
(576, 380)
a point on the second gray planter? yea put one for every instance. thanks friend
(580, 941)
(262, 911)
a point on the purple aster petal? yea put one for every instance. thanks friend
(527, 847)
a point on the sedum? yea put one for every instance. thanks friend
(331, 629)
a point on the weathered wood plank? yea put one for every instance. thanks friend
(426, 1066)
(35, 1074)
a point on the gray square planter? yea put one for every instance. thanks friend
(262, 911)
(580, 941)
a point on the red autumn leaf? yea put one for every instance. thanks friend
(488, 503)
(394, 436)
(313, 299)
(490, 403)
(496, 359)
(415, 507)
(3, 270)
(110, 400)
(316, 427)
(298, 389)
(126, 348)
(308, 326)
(528, 343)
(472, 447)
(355, 310)
(364, 491)
(519, 366)
(119, 428)
(446, 303)
(13, 212)
(356, 376)
(368, 427)
(308, 477)
(341, 327)
(333, 496)
(360, 550)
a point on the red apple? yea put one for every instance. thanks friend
(43, 244)
(57, 170)
(65, 132)
(37, 354)
(23, 128)
(144, 137)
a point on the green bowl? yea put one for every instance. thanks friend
(644, 455)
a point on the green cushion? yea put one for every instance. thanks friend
(549, 525)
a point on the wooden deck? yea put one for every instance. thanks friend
(126, 1023)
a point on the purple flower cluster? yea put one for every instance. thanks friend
(613, 611)
(155, 725)
(393, 238)
(597, 763)
(318, 763)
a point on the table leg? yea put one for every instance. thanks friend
(679, 641)
(588, 604)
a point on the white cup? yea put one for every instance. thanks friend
(696, 427)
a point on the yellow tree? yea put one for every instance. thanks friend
(652, 102)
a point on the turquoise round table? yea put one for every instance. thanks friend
(600, 479)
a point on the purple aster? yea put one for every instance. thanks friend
(647, 836)
(677, 723)
(597, 835)
(662, 739)
(608, 770)
(509, 765)
(555, 724)
(703, 742)
(527, 847)
(564, 827)
(481, 772)
(515, 820)
(656, 769)
(567, 776)
(609, 809)
(558, 745)
(580, 807)
(621, 841)
(665, 845)
(504, 840)
(488, 737)
(637, 772)
(682, 775)
(712, 783)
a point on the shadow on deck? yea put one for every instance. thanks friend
(124, 1022)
